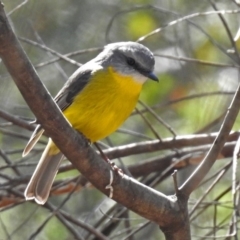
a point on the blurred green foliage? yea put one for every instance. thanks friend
(140, 23)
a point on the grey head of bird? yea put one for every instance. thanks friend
(128, 58)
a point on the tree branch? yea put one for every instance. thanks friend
(193, 181)
(167, 143)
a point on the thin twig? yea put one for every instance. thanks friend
(71, 54)
(9, 162)
(166, 125)
(174, 175)
(17, 7)
(16, 120)
(226, 27)
(216, 180)
(198, 61)
(148, 124)
(43, 47)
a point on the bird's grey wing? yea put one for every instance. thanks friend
(64, 98)
(33, 140)
(72, 87)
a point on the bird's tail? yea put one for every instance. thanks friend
(42, 179)
(33, 140)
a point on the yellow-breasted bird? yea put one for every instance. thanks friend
(96, 100)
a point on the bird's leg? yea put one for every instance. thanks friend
(112, 164)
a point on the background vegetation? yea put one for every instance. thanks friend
(197, 65)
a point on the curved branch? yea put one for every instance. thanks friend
(193, 181)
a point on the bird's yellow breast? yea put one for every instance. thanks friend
(104, 104)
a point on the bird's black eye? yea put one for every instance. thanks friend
(131, 61)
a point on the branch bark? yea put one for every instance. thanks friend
(168, 143)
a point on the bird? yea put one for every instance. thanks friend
(96, 99)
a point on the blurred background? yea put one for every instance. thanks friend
(197, 65)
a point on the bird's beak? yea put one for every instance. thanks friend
(152, 76)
